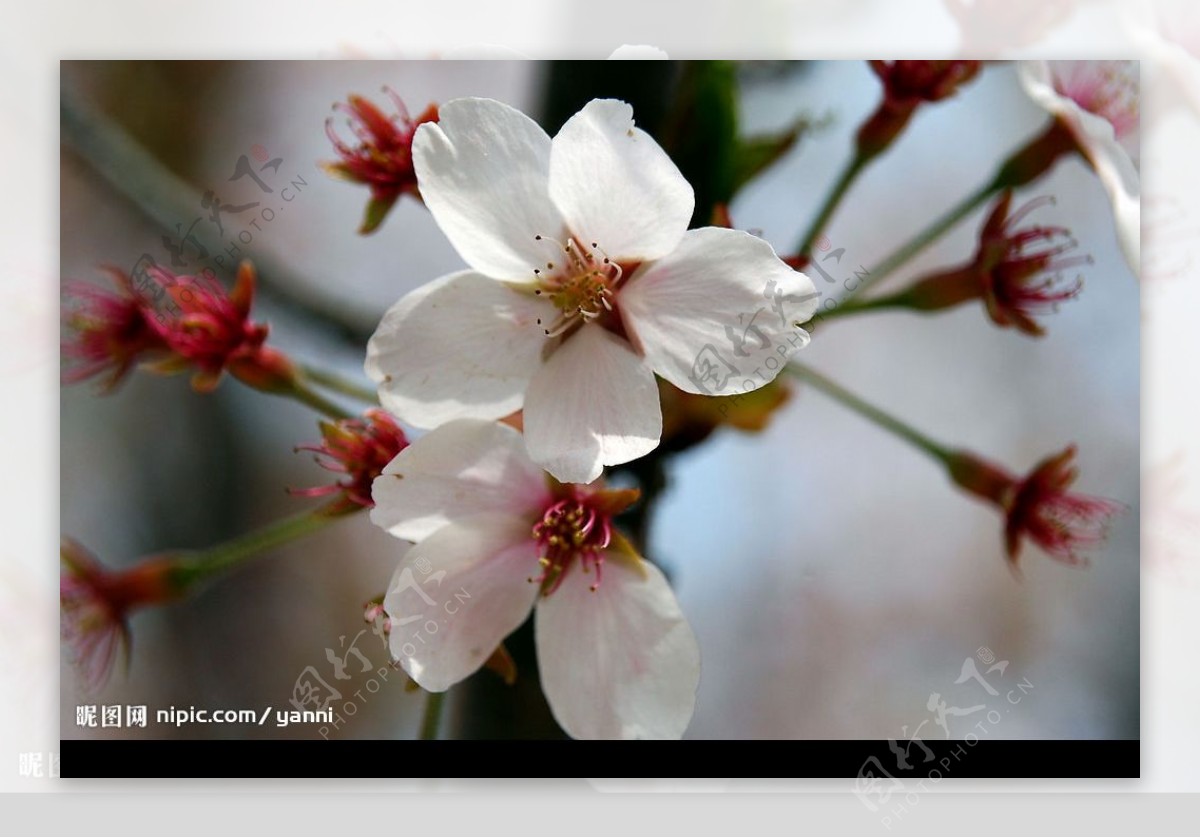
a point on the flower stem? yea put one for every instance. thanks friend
(884, 420)
(167, 200)
(301, 392)
(851, 306)
(1023, 166)
(202, 565)
(848, 176)
(339, 384)
(431, 720)
(931, 233)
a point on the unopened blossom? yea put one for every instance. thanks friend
(359, 449)
(1096, 103)
(380, 155)
(906, 85)
(95, 604)
(111, 331)
(1019, 271)
(209, 331)
(584, 282)
(1038, 507)
(495, 537)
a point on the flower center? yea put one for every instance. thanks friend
(581, 283)
(571, 529)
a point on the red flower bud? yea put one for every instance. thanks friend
(906, 84)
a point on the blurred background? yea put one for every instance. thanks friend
(834, 578)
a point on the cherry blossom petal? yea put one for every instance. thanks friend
(463, 468)
(475, 590)
(718, 315)
(460, 346)
(594, 403)
(483, 170)
(620, 662)
(1098, 140)
(615, 186)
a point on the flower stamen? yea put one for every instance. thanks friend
(584, 287)
(571, 528)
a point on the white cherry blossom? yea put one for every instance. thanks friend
(583, 283)
(495, 538)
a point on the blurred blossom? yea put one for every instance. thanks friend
(989, 27)
(96, 602)
(1022, 269)
(1016, 271)
(1166, 34)
(179, 323)
(382, 157)
(601, 285)
(1097, 102)
(616, 656)
(110, 332)
(1172, 524)
(1038, 507)
(1171, 233)
(906, 85)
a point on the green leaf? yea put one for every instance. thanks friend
(757, 154)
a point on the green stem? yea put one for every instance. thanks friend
(199, 566)
(870, 411)
(431, 720)
(931, 233)
(851, 306)
(1023, 166)
(338, 384)
(301, 392)
(849, 174)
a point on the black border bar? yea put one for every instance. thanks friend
(867, 762)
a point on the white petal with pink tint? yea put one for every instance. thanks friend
(483, 171)
(722, 297)
(1097, 137)
(446, 623)
(461, 346)
(463, 468)
(594, 403)
(616, 186)
(620, 662)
